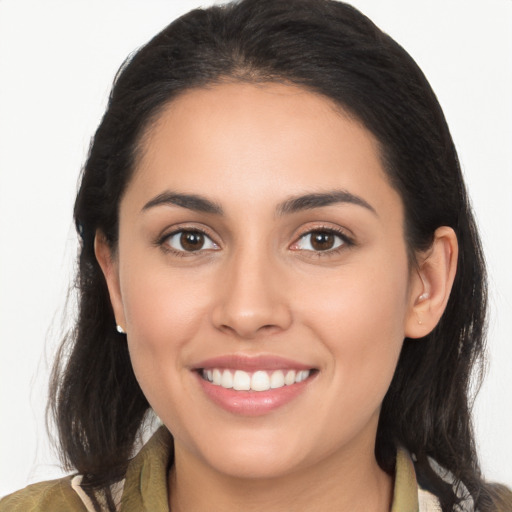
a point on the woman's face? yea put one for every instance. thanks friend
(261, 246)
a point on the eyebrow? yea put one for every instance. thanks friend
(292, 205)
(317, 200)
(189, 201)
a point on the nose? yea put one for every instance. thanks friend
(253, 298)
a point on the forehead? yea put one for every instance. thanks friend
(236, 140)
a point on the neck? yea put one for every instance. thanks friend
(352, 483)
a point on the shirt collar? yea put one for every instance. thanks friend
(145, 486)
(405, 492)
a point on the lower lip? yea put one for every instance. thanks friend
(252, 403)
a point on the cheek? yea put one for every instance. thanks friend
(162, 313)
(359, 316)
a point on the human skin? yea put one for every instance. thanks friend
(257, 287)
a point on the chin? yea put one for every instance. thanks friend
(255, 465)
(250, 453)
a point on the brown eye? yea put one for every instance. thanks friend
(320, 241)
(190, 241)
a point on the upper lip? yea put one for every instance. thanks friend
(251, 363)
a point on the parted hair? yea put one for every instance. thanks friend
(329, 48)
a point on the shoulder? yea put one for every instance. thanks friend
(54, 495)
(146, 485)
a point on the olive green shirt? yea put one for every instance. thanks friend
(145, 486)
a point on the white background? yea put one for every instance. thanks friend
(57, 61)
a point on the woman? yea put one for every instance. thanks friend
(278, 258)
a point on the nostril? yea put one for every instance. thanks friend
(250, 333)
(250, 315)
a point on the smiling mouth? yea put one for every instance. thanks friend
(260, 380)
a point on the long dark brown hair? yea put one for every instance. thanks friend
(330, 48)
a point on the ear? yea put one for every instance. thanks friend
(110, 268)
(431, 283)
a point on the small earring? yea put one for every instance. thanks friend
(423, 296)
(120, 330)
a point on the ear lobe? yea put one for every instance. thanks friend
(109, 267)
(432, 284)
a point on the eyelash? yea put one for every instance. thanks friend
(162, 241)
(345, 239)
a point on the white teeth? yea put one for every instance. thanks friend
(227, 379)
(302, 375)
(260, 380)
(217, 377)
(290, 377)
(277, 379)
(241, 381)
